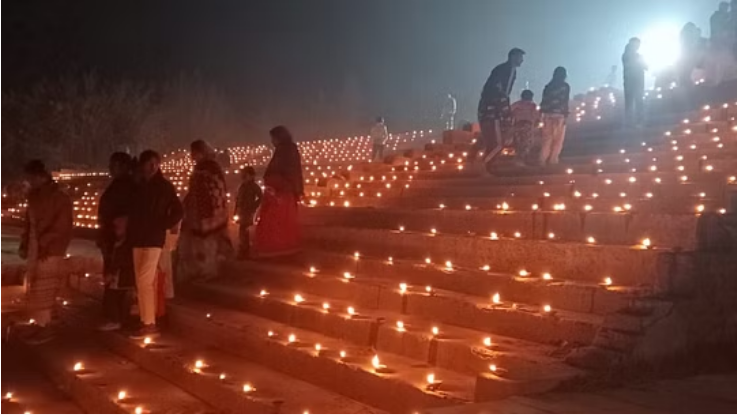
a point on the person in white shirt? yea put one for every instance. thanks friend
(379, 138)
(450, 111)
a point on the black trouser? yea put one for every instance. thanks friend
(490, 137)
(243, 250)
(377, 152)
(116, 306)
(634, 105)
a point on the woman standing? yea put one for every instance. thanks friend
(278, 231)
(204, 230)
(555, 111)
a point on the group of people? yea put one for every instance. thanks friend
(143, 223)
(709, 60)
(498, 118)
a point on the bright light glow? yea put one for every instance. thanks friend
(660, 46)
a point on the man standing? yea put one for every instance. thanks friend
(634, 82)
(450, 111)
(47, 234)
(379, 139)
(495, 104)
(718, 23)
(155, 209)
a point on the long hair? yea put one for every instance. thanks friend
(281, 135)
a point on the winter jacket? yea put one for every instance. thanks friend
(114, 203)
(556, 98)
(155, 209)
(495, 98)
(51, 209)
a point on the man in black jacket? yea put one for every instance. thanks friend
(155, 209)
(494, 105)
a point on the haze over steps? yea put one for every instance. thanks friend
(425, 288)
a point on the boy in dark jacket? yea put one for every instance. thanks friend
(555, 110)
(155, 210)
(113, 212)
(248, 200)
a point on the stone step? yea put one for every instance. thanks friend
(620, 172)
(96, 386)
(26, 390)
(453, 348)
(630, 266)
(480, 187)
(638, 203)
(575, 224)
(608, 179)
(247, 336)
(377, 302)
(591, 298)
(713, 187)
(222, 378)
(662, 147)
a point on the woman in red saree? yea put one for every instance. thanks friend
(278, 229)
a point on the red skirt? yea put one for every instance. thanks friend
(278, 231)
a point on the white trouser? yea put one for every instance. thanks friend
(553, 137)
(145, 270)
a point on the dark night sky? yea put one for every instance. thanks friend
(405, 54)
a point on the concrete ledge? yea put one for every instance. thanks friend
(569, 261)
(378, 274)
(443, 307)
(246, 336)
(664, 230)
(163, 361)
(96, 387)
(86, 394)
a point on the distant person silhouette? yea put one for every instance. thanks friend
(379, 137)
(634, 82)
(719, 23)
(449, 112)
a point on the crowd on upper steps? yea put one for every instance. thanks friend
(503, 124)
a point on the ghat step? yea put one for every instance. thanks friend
(593, 298)
(246, 336)
(95, 388)
(664, 230)
(628, 266)
(174, 358)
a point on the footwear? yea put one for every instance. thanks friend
(149, 330)
(41, 336)
(493, 154)
(109, 326)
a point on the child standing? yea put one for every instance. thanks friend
(119, 280)
(248, 200)
(525, 119)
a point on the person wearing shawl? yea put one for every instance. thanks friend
(278, 229)
(204, 241)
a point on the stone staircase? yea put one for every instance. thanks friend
(423, 289)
